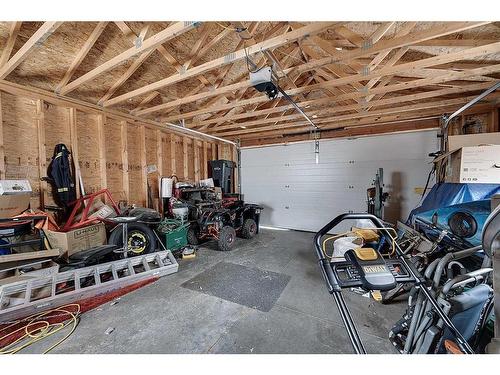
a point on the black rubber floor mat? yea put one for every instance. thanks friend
(246, 286)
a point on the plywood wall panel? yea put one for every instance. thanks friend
(190, 160)
(134, 164)
(20, 142)
(88, 153)
(166, 155)
(21, 123)
(179, 155)
(114, 165)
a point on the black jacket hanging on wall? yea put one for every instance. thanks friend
(60, 173)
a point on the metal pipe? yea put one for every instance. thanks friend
(449, 257)
(182, 129)
(447, 119)
(349, 323)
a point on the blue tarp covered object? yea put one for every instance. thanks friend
(447, 194)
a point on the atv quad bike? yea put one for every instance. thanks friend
(219, 220)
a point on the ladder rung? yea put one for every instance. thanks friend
(145, 264)
(113, 272)
(130, 268)
(27, 296)
(77, 281)
(53, 287)
(159, 261)
(97, 276)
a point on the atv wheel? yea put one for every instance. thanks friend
(227, 237)
(249, 228)
(192, 236)
(141, 239)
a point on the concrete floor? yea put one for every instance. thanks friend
(165, 317)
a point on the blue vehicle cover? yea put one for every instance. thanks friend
(448, 194)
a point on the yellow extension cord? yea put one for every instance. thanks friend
(40, 333)
(393, 237)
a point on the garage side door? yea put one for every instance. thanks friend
(299, 194)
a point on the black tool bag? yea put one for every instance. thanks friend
(60, 173)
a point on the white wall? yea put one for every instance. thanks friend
(299, 194)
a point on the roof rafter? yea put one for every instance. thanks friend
(7, 50)
(391, 70)
(170, 32)
(355, 107)
(36, 40)
(310, 29)
(340, 56)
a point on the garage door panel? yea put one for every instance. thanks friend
(299, 194)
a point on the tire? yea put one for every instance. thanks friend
(139, 235)
(249, 229)
(192, 236)
(227, 238)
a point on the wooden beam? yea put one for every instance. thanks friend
(171, 60)
(145, 101)
(212, 42)
(144, 172)
(159, 152)
(381, 31)
(205, 159)
(214, 151)
(289, 37)
(351, 36)
(73, 135)
(299, 127)
(390, 70)
(360, 125)
(353, 107)
(339, 56)
(2, 147)
(318, 121)
(196, 160)
(36, 40)
(42, 152)
(441, 42)
(151, 43)
(101, 123)
(185, 159)
(125, 76)
(125, 168)
(399, 127)
(131, 69)
(84, 50)
(193, 54)
(7, 50)
(350, 116)
(172, 154)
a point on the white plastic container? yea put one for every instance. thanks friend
(166, 187)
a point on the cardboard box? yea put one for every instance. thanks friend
(473, 165)
(12, 205)
(77, 240)
(458, 141)
(14, 187)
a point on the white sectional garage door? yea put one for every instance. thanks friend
(299, 194)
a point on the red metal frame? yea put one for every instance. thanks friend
(85, 220)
